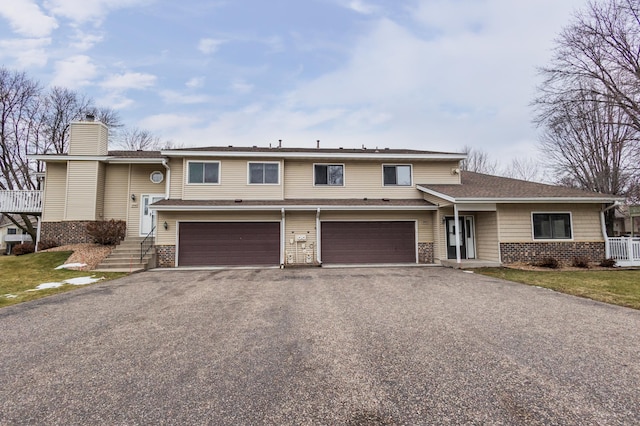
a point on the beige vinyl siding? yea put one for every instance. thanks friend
(486, 228)
(363, 179)
(100, 191)
(424, 219)
(515, 220)
(177, 178)
(116, 196)
(88, 138)
(233, 183)
(169, 236)
(82, 188)
(436, 200)
(55, 189)
(300, 223)
(140, 185)
(441, 242)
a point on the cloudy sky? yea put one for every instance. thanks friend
(422, 74)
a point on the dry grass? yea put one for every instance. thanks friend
(619, 287)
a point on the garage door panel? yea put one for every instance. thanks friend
(229, 243)
(368, 242)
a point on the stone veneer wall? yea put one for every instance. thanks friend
(166, 256)
(565, 252)
(425, 252)
(72, 232)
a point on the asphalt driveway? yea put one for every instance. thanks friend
(318, 346)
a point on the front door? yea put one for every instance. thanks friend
(148, 216)
(467, 235)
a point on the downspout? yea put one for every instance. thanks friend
(38, 232)
(457, 228)
(318, 251)
(167, 181)
(282, 239)
(603, 224)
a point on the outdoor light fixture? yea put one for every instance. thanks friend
(133, 197)
(166, 226)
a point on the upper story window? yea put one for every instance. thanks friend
(264, 173)
(399, 175)
(552, 226)
(12, 231)
(203, 172)
(328, 174)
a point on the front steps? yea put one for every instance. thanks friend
(126, 257)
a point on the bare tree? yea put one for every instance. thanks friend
(35, 121)
(134, 138)
(524, 169)
(478, 161)
(598, 51)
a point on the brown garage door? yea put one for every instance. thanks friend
(368, 242)
(229, 243)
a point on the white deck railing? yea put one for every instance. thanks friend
(20, 201)
(624, 250)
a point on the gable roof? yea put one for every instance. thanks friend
(478, 187)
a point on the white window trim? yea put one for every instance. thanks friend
(533, 237)
(263, 162)
(344, 175)
(186, 174)
(395, 165)
(161, 174)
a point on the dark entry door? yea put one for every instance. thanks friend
(451, 238)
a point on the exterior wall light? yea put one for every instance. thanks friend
(133, 197)
(166, 225)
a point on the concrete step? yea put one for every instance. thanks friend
(118, 269)
(124, 260)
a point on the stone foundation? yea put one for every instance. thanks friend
(165, 256)
(564, 252)
(63, 233)
(425, 252)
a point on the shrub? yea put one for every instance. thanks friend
(107, 232)
(47, 244)
(24, 248)
(580, 262)
(608, 263)
(549, 262)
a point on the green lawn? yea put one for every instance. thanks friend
(20, 274)
(616, 287)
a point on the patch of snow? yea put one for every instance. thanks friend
(468, 272)
(10, 296)
(45, 286)
(83, 280)
(72, 281)
(71, 265)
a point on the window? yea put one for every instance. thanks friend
(156, 177)
(397, 175)
(328, 174)
(551, 226)
(264, 173)
(201, 172)
(12, 231)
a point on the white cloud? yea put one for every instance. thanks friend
(361, 6)
(195, 82)
(174, 97)
(83, 41)
(168, 123)
(27, 52)
(129, 80)
(74, 72)
(209, 45)
(26, 18)
(241, 87)
(89, 10)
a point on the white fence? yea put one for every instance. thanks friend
(20, 201)
(625, 250)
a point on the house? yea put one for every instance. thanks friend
(311, 206)
(11, 235)
(624, 224)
